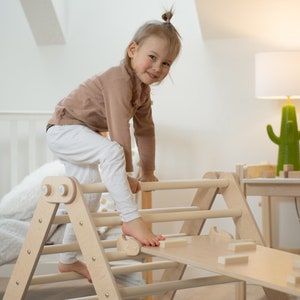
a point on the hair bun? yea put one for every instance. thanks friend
(167, 16)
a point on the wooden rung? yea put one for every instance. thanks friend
(51, 278)
(116, 255)
(192, 215)
(52, 249)
(163, 185)
(109, 221)
(168, 185)
(232, 259)
(62, 219)
(241, 246)
(169, 209)
(151, 216)
(156, 288)
(138, 267)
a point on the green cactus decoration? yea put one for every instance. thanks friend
(288, 141)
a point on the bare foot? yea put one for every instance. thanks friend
(78, 267)
(138, 229)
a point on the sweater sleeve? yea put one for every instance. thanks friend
(118, 113)
(144, 132)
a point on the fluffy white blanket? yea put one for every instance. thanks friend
(17, 208)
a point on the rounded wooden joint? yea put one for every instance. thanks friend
(63, 190)
(46, 189)
(59, 189)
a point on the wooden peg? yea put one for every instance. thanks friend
(296, 264)
(173, 242)
(129, 245)
(232, 259)
(242, 246)
(293, 279)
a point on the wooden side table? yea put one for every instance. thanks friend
(269, 188)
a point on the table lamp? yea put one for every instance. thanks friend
(277, 76)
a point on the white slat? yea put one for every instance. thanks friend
(29, 126)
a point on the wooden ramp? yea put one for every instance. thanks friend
(256, 265)
(204, 252)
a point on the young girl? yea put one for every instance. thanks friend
(106, 103)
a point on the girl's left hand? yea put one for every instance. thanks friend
(134, 184)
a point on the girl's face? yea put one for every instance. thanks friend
(150, 60)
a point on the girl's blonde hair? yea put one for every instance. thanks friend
(161, 29)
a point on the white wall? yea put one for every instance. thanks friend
(207, 118)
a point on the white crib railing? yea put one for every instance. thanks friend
(23, 145)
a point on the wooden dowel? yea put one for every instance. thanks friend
(139, 267)
(162, 185)
(59, 277)
(183, 184)
(52, 249)
(144, 267)
(169, 209)
(62, 219)
(115, 255)
(110, 221)
(60, 248)
(157, 288)
(192, 215)
(111, 255)
(163, 215)
(175, 216)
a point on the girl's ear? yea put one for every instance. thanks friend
(131, 49)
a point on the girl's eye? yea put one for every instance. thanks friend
(152, 57)
(167, 64)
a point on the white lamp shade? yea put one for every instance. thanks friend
(277, 75)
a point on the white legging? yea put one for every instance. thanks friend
(82, 151)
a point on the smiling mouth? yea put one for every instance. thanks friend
(152, 76)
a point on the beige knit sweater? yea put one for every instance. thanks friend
(106, 103)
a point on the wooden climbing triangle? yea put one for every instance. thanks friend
(200, 251)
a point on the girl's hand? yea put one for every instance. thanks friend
(134, 184)
(147, 176)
